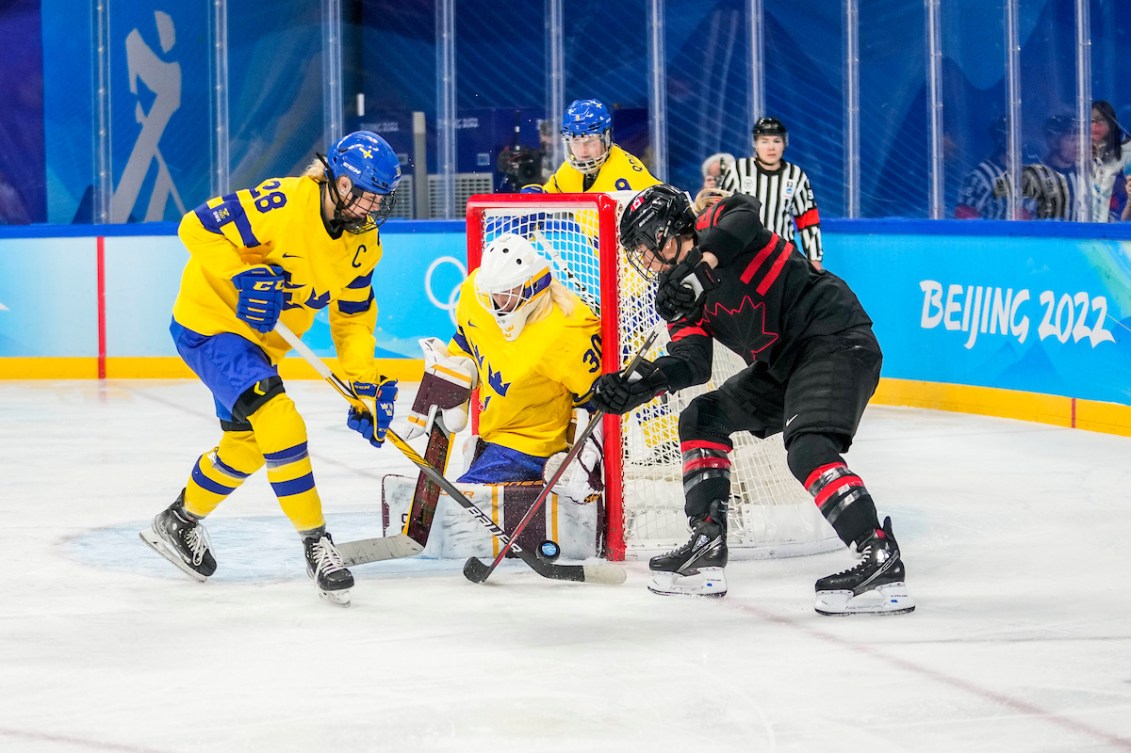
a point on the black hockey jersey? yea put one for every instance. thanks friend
(768, 299)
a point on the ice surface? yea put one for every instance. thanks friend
(1015, 537)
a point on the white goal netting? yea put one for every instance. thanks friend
(771, 515)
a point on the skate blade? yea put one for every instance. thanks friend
(337, 598)
(889, 599)
(157, 544)
(709, 581)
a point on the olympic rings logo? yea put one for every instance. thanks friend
(448, 305)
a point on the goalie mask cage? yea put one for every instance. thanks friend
(771, 514)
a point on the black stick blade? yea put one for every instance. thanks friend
(475, 571)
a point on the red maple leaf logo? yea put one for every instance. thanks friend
(743, 328)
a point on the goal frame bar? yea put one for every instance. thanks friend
(607, 249)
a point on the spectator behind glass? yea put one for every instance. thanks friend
(1051, 184)
(714, 167)
(1111, 153)
(977, 199)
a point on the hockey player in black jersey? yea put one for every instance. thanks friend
(812, 365)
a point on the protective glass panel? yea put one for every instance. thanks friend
(621, 79)
(276, 83)
(23, 184)
(894, 135)
(804, 88)
(708, 53)
(975, 106)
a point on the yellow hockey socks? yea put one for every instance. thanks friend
(221, 471)
(281, 435)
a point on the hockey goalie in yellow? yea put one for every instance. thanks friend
(533, 348)
(279, 252)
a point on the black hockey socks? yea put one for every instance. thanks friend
(706, 474)
(839, 493)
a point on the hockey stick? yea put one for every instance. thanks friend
(598, 573)
(474, 569)
(364, 550)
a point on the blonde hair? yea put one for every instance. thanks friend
(315, 170)
(559, 296)
(707, 198)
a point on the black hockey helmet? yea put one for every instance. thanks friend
(770, 127)
(651, 218)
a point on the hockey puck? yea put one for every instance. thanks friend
(549, 550)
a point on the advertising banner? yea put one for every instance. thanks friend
(1047, 315)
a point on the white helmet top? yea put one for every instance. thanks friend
(512, 279)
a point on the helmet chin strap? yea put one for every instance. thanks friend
(339, 222)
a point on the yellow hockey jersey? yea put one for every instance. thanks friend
(620, 172)
(279, 222)
(528, 387)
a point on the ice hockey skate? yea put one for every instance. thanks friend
(875, 586)
(181, 539)
(324, 564)
(696, 568)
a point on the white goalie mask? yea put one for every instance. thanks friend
(512, 281)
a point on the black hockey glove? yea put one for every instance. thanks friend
(682, 288)
(617, 394)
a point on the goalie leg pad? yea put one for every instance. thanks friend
(455, 534)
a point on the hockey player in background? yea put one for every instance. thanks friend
(593, 162)
(533, 348)
(813, 364)
(280, 251)
(782, 188)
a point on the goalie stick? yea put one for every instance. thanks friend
(478, 572)
(418, 522)
(596, 573)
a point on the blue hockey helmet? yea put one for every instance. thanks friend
(372, 167)
(583, 119)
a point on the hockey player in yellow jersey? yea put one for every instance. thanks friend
(533, 348)
(281, 251)
(593, 162)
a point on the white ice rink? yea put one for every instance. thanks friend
(1016, 538)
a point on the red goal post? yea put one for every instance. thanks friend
(770, 514)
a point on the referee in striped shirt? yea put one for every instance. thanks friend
(781, 187)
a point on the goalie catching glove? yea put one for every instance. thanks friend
(617, 394)
(682, 288)
(374, 422)
(445, 387)
(581, 483)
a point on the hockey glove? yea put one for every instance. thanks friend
(445, 387)
(682, 288)
(261, 296)
(373, 424)
(581, 483)
(614, 393)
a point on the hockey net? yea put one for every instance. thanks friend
(771, 515)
